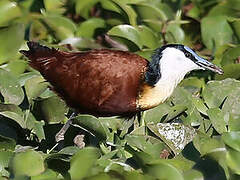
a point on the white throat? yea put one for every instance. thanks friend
(173, 67)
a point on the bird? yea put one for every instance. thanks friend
(106, 82)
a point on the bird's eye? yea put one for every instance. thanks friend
(188, 55)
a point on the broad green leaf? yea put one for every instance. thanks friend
(92, 124)
(26, 76)
(62, 27)
(14, 116)
(193, 175)
(5, 156)
(218, 119)
(13, 37)
(81, 43)
(32, 166)
(232, 159)
(236, 27)
(232, 139)
(132, 16)
(230, 71)
(10, 88)
(163, 170)
(174, 33)
(82, 162)
(152, 12)
(149, 38)
(16, 67)
(88, 27)
(206, 145)
(230, 55)
(48, 174)
(128, 32)
(111, 6)
(146, 144)
(175, 135)
(156, 114)
(8, 11)
(34, 125)
(34, 86)
(53, 109)
(216, 91)
(83, 7)
(54, 6)
(7, 143)
(216, 31)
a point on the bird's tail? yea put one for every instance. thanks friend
(38, 54)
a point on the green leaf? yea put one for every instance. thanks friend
(128, 32)
(82, 162)
(34, 125)
(236, 27)
(53, 109)
(216, 91)
(216, 31)
(206, 145)
(92, 124)
(48, 174)
(14, 116)
(132, 16)
(232, 139)
(83, 7)
(33, 163)
(174, 33)
(54, 6)
(193, 175)
(163, 170)
(34, 86)
(232, 159)
(62, 27)
(230, 71)
(5, 156)
(7, 143)
(175, 135)
(88, 27)
(16, 67)
(13, 37)
(8, 11)
(218, 119)
(230, 55)
(10, 88)
(148, 37)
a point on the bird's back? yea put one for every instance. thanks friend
(99, 82)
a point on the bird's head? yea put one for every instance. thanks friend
(174, 61)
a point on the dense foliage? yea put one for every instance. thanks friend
(194, 135)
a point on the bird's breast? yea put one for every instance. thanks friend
(152, 96)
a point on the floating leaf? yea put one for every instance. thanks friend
(8, 11)
(10, 88)
(35, 86)
(126, 31)
(53, 109)
(88, 27)
(63, 27)
(94, 125)
(33, 163)
(212, 38)
(78, 169)
(217, 118)
(232, 139)
(175, 135)
(13, 37)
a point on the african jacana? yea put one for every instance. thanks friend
(110, 82)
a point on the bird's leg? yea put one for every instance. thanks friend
(60, 135)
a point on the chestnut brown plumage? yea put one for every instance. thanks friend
(98, 82)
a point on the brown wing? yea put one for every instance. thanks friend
(98, 82)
